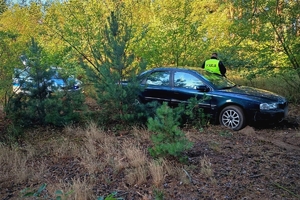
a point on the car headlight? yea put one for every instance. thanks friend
(268, 106)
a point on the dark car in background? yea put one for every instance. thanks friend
(227, 103)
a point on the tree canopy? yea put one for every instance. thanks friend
(246, 34)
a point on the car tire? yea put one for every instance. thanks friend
(233, 117)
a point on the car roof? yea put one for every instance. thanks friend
(166, 68)
(191, 69)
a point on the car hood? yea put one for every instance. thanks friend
(253, 93)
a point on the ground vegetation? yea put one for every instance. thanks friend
(87, 163)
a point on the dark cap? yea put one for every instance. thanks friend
(214, 55)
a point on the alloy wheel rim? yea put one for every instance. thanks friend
(231, 118)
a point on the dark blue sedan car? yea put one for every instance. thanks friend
(227, 103)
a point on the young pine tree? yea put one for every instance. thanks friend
(168, 139)
(34, 105)
(114, 63)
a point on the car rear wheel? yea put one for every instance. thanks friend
(232, 117)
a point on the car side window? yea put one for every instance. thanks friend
(159, 78)
(186, 80)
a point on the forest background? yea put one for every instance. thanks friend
(253, 38)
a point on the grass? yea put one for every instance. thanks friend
(206, 168)
(87, 163)
(101, 155)
(157, 173)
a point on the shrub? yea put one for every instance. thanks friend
(168, 139)
(38, 106)
(111, 64)
(192, 114)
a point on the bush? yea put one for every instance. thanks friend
(111, 64)
(191, 115)
(38, 106)
(168, 139)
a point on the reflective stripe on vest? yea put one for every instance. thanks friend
(212, 65)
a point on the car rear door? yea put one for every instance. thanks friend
(184, 87)
(157, 86)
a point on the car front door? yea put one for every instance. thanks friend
(186, 86)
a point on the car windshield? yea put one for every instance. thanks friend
(218, 81)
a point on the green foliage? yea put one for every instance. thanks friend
(168, 139)
(192, 115)
(64, 108)
(225, 133)
(144, 111)
(111, 196)
(3, 6)
(8, 59)
(265, 35)
(108, 70)
(17, 25)
(286, 80)
(168, 32)
(32, 193)
(41, 193)
(181, 33)
(13, 133)
(37, 106)
(259, 38)
(289, 84)
(158, 194)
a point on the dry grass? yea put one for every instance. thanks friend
(141, 134)
(14, 163)
(101, 154)
(215, 146)
(98, 150)
(157, 173)
(136, 155)
(136, 176)
(170, 167)
(77, 189)
(120, 163)
(65, 148)
(94, 148)
(206, 166)
(103, 150)
(184, 176)
(85, 163)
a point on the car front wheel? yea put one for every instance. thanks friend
(232, 117)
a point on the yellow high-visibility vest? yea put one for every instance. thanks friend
(212, 65)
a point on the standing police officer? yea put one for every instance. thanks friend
(214, 65)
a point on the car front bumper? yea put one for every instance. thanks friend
(270, 115)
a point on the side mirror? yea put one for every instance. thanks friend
(202, 88)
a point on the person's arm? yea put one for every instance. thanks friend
(203, 65)
(222, 68)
